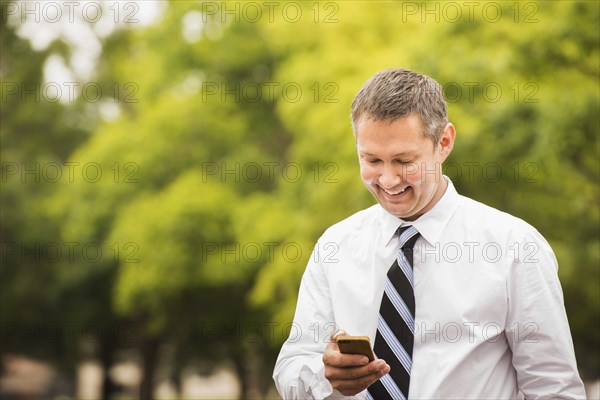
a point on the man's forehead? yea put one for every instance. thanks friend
(367, 152)
(407, 123)
(387, 119)
(412, 119)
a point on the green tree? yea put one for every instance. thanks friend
(530, 148)
(180, 207)
(170, 217)
(37, 137)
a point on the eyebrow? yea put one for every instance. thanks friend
(404, 154)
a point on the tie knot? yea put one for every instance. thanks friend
(408, 236)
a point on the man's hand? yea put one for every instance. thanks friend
(350, 374)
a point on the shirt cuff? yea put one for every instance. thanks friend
(314, 373)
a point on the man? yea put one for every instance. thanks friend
(460, 300)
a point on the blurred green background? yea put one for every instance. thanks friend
(168, 166)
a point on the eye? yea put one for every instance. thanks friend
(404, 162)
(373, 161)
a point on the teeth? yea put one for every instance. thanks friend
(394, 193)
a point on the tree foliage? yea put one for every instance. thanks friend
(239, 152)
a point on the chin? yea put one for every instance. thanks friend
(397, 213)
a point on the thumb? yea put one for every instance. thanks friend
(336, 334)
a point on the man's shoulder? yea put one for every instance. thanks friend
(487, 217)
(358, 222)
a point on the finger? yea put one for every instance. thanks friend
(333, 338)
(354, 373)
(360, 383)
(333, 357)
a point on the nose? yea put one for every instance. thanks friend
(389, 177)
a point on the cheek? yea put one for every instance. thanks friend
(368, 180)
(420, 174)
(413, 178)
(367, 173)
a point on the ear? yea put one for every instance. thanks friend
(446, 142)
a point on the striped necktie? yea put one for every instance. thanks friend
(396, 323)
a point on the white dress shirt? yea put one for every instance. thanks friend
(490, 320)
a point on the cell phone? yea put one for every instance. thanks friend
(355, 345)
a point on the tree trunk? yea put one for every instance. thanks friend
(242, 374)
(176, 369)
(149, 353)
(107, 349)
(264, 378)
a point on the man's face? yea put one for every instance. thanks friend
(400, 166)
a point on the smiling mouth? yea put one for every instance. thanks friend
(396, 193)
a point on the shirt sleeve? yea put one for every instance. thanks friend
(299, 370)
(537, 327)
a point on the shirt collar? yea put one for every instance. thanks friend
(431, 224)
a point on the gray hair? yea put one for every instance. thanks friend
(394, 93)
